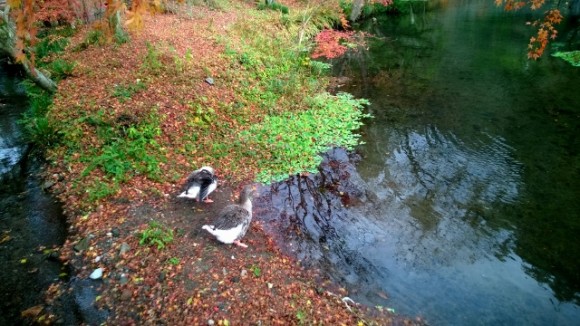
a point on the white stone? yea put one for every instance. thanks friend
(97, 274)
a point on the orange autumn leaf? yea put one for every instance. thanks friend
(546, 27)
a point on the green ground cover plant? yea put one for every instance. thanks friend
(291, 143)
(156, 234)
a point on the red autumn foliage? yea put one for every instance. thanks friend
(546, 31)
(546, 26)
(53, 11)
(329, 43)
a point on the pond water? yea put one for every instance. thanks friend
(464, 207)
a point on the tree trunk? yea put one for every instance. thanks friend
(38, 77)
(7, 45)
(357, 6)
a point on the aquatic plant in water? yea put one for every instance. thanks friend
(572, 57)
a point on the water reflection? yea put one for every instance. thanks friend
(464, 207)
(475, 84)
(12, 146)
(409, 239)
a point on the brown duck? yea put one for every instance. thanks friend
(234, 220)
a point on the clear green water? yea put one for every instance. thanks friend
(473, 158)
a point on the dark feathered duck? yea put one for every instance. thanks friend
(234, 220)
(200, 183)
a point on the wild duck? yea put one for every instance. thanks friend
(234, 220)
(200, 183)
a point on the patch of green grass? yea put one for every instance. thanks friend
(156, 234)
(94, 37)
(152, 60)
(49, 45)
(100, 188)
(174, 261)
(273, 5)
(301, 316)
(125, 92)
(270, 77)
(181, 64)
(318, 68)
(256, 270)
(298, 119)
(60, 69)
(277, 73)
(52, 41)
(37, 127)
(200, 116)
(128, 150)
(121, 36)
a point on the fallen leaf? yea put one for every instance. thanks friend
(5, 238)
(383, 295)
(32, 312)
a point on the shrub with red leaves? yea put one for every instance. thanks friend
(330, 43)
(54, 11)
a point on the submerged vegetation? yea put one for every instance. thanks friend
(572, 57)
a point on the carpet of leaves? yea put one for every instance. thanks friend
(195, 279)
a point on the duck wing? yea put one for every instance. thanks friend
(231, 217)
(198, 178)
(205, 184)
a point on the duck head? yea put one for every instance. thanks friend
(208, 169)
(248, 193)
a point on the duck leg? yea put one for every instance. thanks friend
(239, 243)
(207, 200)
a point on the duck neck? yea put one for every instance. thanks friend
(247, 205)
